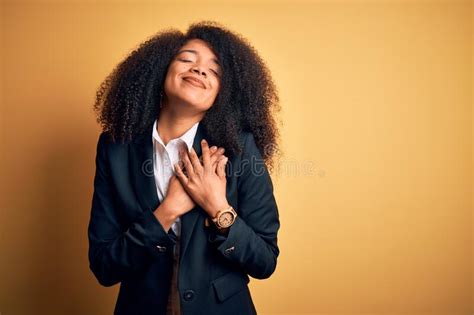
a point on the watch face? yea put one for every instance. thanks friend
(226, 219)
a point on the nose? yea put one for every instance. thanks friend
(198, 71)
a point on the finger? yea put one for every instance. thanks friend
(197, 166)
(205, 154)
(216, 157)
(221, 167)
(212, 152)
(183, 153)
(183, 167)
(216, 163)
(179, 174)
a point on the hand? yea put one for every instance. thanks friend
(177, 199)
(177, 202)
(204, 182)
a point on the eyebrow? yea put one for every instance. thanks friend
(195, 52)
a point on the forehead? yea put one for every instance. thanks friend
(200, 48)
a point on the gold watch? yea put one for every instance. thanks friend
(225, 218)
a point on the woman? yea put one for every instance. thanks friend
(177, 223)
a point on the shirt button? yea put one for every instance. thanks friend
(161, 249)
(188, 295)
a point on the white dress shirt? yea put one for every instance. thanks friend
(164, 157)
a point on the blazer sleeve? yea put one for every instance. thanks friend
(251, 242)
(117, 251)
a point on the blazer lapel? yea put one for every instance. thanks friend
(141, 166)
(189, 219)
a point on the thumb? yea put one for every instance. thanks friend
(179, 174)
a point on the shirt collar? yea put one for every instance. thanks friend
(187, 137)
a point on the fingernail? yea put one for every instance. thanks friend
(203, 141)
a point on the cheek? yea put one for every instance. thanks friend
(172, 72)
(216, 87)
(172, 80)
(174, 69)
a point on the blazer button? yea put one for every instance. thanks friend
(188, 295)
(161, 249)
(229, 250)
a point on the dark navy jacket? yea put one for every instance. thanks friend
(128, 245)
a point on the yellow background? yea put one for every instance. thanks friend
(375, 186)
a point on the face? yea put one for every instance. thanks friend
(193, 77)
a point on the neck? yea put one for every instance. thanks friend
(172, 124)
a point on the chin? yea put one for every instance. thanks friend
(191, 99)
(194, 103)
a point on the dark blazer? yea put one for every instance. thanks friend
(128, 245)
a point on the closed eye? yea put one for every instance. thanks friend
(186, 60)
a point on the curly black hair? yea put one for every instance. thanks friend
(127, 101)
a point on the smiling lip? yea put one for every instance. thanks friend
(194, 81)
